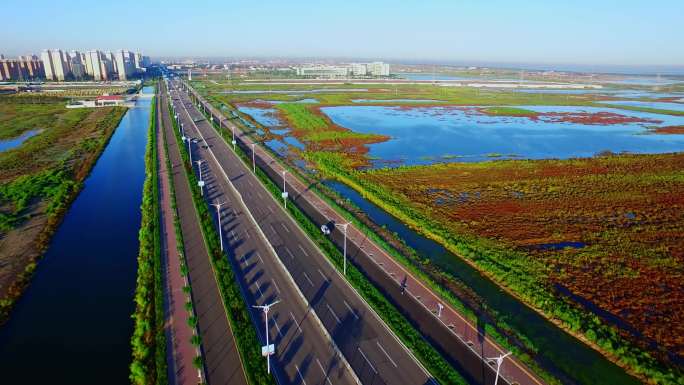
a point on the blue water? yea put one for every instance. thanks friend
(73, 324)
(575, 362)
(657, 105)
(420, 134)
(9, 144)
(265, 116)
(396, 101)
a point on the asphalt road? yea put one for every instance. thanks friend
(370, 348)
(303, 351)
(449, 330)
(222, 361)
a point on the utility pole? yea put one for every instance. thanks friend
(284, 194)
(344, 227)
(268, 349)
(499, 361)
(200, 183)
(218, 215)
(253, 161)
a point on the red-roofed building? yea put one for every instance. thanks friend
(109, 100)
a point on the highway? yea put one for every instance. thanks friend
(277, 259)
(458, 338)
(221, 360)
(304, 353)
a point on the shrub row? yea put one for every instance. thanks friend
(148, 341)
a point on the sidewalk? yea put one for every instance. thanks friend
(180, 352)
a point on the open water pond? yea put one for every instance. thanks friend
(8, 144)
(424, 135)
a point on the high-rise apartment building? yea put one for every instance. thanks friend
(46, 57)
(122, 65)
(95, 64)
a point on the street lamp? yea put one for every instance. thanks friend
(232, 128)
(268, 349)
(200, 183)
(284, 194)
(499, 361)
(253, 162)
(189, 140)
(218, 215)
(344, 227)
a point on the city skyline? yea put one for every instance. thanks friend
(535, 32)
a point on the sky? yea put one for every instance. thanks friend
(597, 32)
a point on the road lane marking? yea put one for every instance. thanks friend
(259, 288)
(270, 209)
(300, 374)
(333, 313)
(295, 321)
(276, 287)
(366, 358)
(350, 309)
(259, 255)
(324, 373)
(307, 278)
(302, 249)
(285, 227)
(289, 252)
(384, 351)
(322, 275)
(281, 334)
(247, 234)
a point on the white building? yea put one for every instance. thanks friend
(378, 68)
(46, 57)
(60, 66)
(359, 69)
(323, 71)
(121, 64)
(94, 63)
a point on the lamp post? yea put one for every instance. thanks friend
(232, 128)
(200, 183)
(218, 215)
(284, 194)
(268, 349)
(253, 162)
(189, 140)
(344, 228)
(499, 362)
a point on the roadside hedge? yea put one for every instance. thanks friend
(148, 341)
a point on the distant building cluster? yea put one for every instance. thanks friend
(59, 65)
(23, 68)
(374, 69)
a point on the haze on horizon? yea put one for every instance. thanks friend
(590, 33)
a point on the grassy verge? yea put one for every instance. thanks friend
(236, 308)
(148, 342)
(427, 355)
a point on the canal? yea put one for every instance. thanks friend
(73, 324)
(572, 361)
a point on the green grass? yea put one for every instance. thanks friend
(508, 111)
(148, 342)
(299, 115)
(340, 135)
